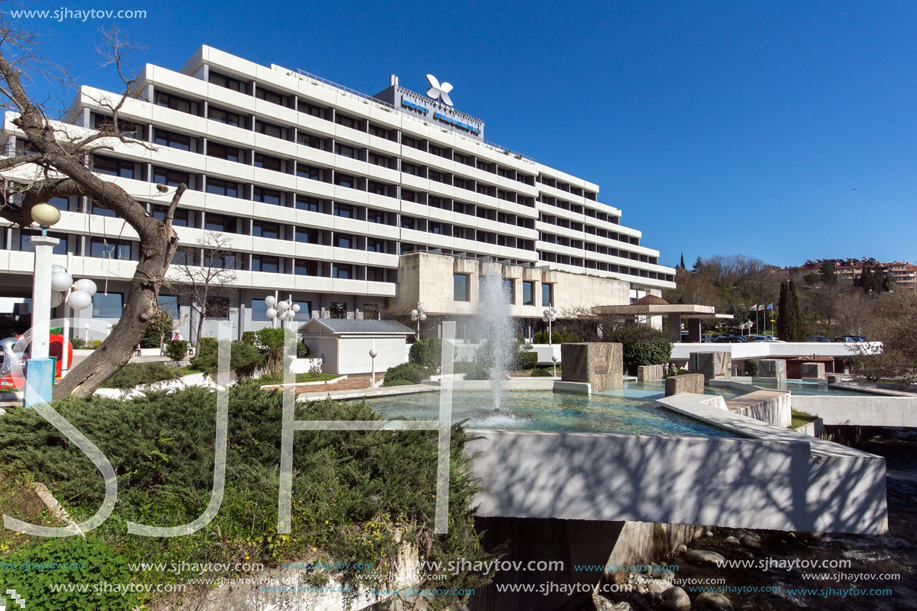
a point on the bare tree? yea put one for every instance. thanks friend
(56, 163)
(203, 277)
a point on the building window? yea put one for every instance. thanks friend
(302, 267)
(309, 109)
(218, 222)
(460, 287)
(375, 245)
(343, 180)
(310, 204)
(110, 249)
(547, 295)
(270, 96)
(343, 211)
(375, 216)
(375, 274)
(379, 160)
(509, 289)
(221, 151)
(344, 241)
(338, 309)
(407, 222)
(113, 167)
(268, 163)
(169, 304)
(263, 263)
(261, 229)
(107, 305)
(305, 171)
(176, 103)
(528, 293)
(378, 188)
(436, 228)
(222, 187)
(173, 140)
(346, 121)
(171, 178)
(408, 168)
(267, 196)
(380, 132)
(61, 203)
(224, 116)
(228, 82)
(180, 218)
(307, 236)
(221, 260)
(342, 271)
(346, 151)
(269, 129)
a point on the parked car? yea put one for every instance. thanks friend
(756, 338)
(850, 338)
(730, 339)
(706, 338)
(817, 338)
(771, 338)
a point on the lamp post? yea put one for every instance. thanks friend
(550, 315)
(280, 310)
(554, 358)
(373, 354)
(40, 368)
(86, 333)
(418, 315)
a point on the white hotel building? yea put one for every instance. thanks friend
(328, 195)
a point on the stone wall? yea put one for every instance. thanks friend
(772, 368)
(714, 365)
(647, 373)
(599, 364)
(689, 382)
(812, 370)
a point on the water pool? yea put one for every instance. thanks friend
(553, 412)
(798, 387)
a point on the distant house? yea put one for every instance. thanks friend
(344, 344)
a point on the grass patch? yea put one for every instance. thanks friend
(801, 419)
(355, 493)
(301, 378)
(18, 499)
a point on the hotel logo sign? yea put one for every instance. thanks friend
(439, 92)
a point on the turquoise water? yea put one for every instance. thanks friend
(553, 412)
(808, 388)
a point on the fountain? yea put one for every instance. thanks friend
(496, 326)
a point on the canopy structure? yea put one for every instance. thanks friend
(657, 306)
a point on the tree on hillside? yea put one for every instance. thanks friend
(798, 329)
(828, 271)
(783, 314)
(53, 163)
(682, 264)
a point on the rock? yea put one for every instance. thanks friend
(679, 597)
(681, 549)
(733, 540)
(744, 553)
(603, 604)
(702, 556)
(752, 541)
(668, 605)
(712, 601)
(656, 588)
(708, 533)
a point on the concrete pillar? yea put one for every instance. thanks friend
(772, 368)
(675, 327)
(39, 371)
(694, 329)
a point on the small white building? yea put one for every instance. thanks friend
(344, 344)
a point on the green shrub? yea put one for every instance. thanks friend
(136, 374)
(177, 349)
(77, 343)
(641, 346)
(248, 337)
(528, 359)
(427, 352)
(273, 342)
(557, 338)
(541, 372)
(302, 350)
(399, 382)
(354, 492)
(474, 371)
(159, 331)
(244, 359)
(99, 564)
(412, 372)
(751, 367)
(95, 343)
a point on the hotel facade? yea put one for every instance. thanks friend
(351, 204)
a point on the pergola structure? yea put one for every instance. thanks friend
(651, 305)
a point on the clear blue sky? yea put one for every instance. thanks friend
(778, 130)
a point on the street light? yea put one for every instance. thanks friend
(419, 316)
(550, 315)
(554, 358)
(77, 295)
(373, 354)
(280, 310)
(39, 372)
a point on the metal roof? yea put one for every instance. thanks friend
(377, 327)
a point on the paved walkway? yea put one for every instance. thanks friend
(351, 383)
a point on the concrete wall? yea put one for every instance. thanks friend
(689, 382)
(865, 410)
(771, 406)
(773, 483)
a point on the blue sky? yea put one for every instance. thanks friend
(778, 130)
